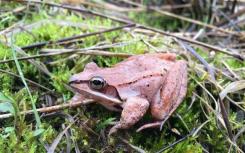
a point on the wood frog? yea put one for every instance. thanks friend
(154, 81)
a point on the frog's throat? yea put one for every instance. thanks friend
(98, 95)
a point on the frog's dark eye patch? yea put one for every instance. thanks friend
(97, 83)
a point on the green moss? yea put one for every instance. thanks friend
(5, 52)
(60, 77)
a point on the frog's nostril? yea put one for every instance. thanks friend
(71, 79)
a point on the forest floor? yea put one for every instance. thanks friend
(42, 44)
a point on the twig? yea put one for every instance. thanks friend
(238, 56)
(231, 22)
(110, 6)
(50, 109)
(81, 10)
(40, 44)
(9, 31)
(195, 54)
(85, 51)
(238, 13)
(41, 67)
(199, 23)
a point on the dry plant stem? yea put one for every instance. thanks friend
(176, 142)
(226, 119)
(224, 112)
(202, 60)
(140, 26)
(40, 66)
(109, 6)
(214, 48)
(11, 31)
(50, 109)
(30, 81)
(238, 13)
(78, 51)
(68, 7)
(199, 23)
(40, 44)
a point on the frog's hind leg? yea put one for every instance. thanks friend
(133, 110)
(170, 95)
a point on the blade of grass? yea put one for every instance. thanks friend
(37, 118)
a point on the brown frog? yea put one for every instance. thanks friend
(157, 81)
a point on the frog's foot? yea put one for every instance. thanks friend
(150, 125)
(114, 129)
(133, 110)
(155, 124)
(77, 98)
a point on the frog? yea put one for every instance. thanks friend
(151, 82)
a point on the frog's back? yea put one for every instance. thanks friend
(138, 67)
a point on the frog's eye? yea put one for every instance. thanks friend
(97, 83)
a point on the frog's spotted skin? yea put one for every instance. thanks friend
(156, 81)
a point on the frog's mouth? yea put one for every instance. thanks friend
(94, 94)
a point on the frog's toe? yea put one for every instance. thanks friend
(114, 129)
(150, 125)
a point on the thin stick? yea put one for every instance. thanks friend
(198, 23)
(214, 48)
(30, 81)
(210, 70)
(40, 44)
(70, 51)
(81, 10)
(238, 13)
(50, 109)
(176, 142)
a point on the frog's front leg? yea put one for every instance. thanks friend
(133, 110)
(77, 98)
(170, 95)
